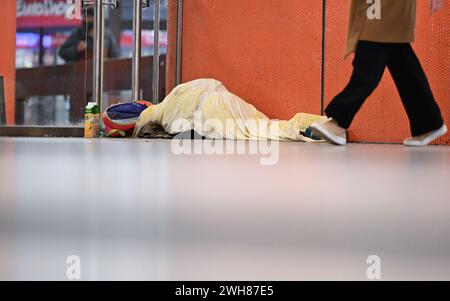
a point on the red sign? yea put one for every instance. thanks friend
(48, 13)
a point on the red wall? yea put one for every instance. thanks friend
(269, 53)
(8, 54)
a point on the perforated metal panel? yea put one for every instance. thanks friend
(269, 53)
(171, 44)
(382, 118)
(433, 48)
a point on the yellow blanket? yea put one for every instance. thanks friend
(206, 106)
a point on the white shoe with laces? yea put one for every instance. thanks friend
(330, 131)
(426, 138)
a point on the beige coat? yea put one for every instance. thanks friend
(397, 23)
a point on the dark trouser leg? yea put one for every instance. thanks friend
(423, 112)
(368, 68)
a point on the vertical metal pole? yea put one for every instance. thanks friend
(136, 59)
(324, 24)
(156, 27)
(179, 41)
(99, 38)
(2, 102)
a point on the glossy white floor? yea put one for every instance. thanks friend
(136, 210)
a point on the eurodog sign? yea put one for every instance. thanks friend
(48, 13)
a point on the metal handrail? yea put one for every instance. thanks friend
(156, 50)
(136, 57)
(99, 38)
(99, 33)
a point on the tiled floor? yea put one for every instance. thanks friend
(136, 209)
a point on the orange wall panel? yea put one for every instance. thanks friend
(171, 45)
(433, 48)
(267, 53)
(382, 118)
(8, 54)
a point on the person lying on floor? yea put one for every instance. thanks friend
(207, 108)
(379, 43)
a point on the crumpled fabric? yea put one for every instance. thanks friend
(206, 107)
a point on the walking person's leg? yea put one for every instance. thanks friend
(423, 112)
(368, 68)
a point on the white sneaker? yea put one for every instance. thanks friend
(426, 138)
(330, 131)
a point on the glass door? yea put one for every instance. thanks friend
(49, 62)
(47, 69)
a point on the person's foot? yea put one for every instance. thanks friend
(330, 131)
(426, 138)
